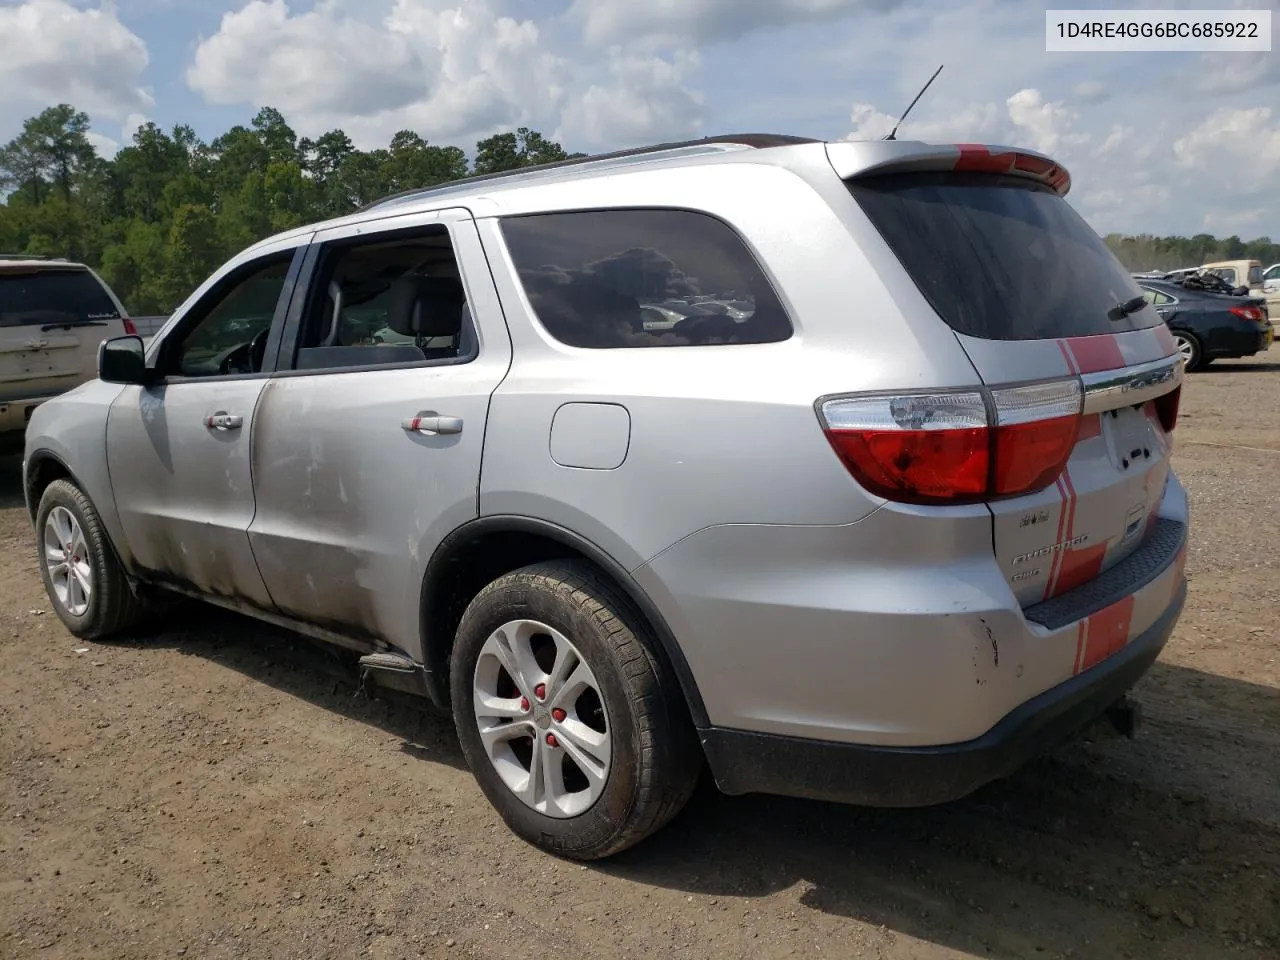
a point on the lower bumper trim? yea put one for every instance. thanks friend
(878, 776)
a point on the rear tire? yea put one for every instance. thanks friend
(82, 576)
(638, 739)
(1190, 349)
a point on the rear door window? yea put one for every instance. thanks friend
(42, 297)
(1001, 258)
(643, 278)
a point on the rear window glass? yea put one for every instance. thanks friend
(1001, 258)
(643, 278)
(52, 296)
(1255, 276)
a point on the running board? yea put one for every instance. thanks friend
(394, 671)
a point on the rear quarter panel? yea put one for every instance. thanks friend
(718, 434)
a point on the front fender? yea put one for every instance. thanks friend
(71, 430)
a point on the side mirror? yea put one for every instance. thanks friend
(122, 360)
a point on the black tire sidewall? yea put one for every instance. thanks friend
(523, 598)
(62, 494)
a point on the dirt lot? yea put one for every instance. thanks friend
(219, 790)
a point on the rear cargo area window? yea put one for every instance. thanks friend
(643, 278)
(1001, 258)
(42, 297)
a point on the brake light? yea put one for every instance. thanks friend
(960, 447)
(129, 328)
(1255, 314)
(1167, 409)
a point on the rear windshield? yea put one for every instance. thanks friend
(52, 296)
(1001, 258)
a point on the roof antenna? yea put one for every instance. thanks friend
(893, 133)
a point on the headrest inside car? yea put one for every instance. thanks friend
(426, 306)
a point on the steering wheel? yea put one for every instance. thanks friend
(248, 357)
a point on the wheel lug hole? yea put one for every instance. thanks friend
(558, 715)
(524, 704)
(552, 740)
(540, 691)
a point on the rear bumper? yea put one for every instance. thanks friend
(745, 762)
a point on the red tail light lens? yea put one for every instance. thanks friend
(1167, 409)
(1256, 314)
(943, 448)
(129, 328)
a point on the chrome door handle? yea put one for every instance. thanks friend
(432, 425)
(223, 421)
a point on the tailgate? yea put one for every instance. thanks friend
(1035, 297)
(52, 319)
(1104, 502)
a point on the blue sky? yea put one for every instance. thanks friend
(1160, 142)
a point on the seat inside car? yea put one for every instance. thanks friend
(428, 308)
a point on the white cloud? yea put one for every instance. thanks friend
(310, 62)
(453, 70)
(1240, 147)
(705, 20)
(53, 52)
(103, 145)
(1043, 125)
(1092, 91)
(868, 123)
(646, 99)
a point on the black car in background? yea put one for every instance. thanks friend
(1209, 325)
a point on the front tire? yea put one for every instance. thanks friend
(84, 580)
(572, 725)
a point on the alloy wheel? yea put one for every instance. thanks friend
(541, 716)
(66, 557)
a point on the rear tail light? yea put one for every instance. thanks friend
(1167, 409)
(1256, 314)
(960, 447)
(129, 328)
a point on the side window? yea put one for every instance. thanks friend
(643, 278)
(1255, 276)
(386, 300)
(1226, 273)
(1150, 296)
(230, 334)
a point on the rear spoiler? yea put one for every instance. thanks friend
(862, 158)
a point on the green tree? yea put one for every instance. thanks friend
(523, 148)
(191, 252)
(169, 208)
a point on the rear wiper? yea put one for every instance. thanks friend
(68, 324)
(1122, 310)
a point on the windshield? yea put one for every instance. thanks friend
(52, 296)
(1001, 258)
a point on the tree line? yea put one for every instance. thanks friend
(1146, 252)
(168, 209)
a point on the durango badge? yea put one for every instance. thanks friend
(1054, 548)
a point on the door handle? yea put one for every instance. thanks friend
(223, 421)
(432, 425)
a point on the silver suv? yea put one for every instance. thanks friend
(53, 316)
(840, 468)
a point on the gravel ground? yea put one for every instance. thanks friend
(219, 790)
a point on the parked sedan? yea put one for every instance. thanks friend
(1207, 325)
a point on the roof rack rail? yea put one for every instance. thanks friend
(757, 141)
(30, 256)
